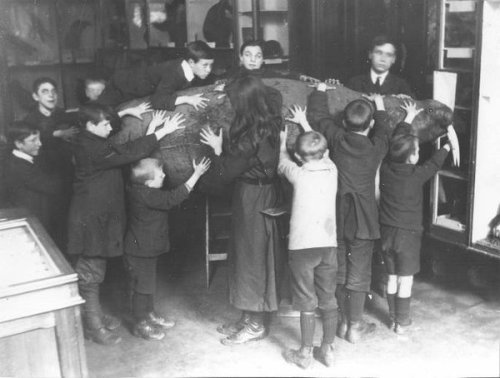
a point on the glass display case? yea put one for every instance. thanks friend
(40, 326)
(465, 200)
(457, 55)
(265, 20)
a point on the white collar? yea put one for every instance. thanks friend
(188, 71)
(22, 155)
(382, 76)
(46, 112)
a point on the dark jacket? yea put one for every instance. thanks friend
(401, 191)
(169, 78)
(30, 187)
(392, 85)
(357, 158)
(97, 213)
(55, 153)
(147, 228)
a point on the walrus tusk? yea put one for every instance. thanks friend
(455, 147)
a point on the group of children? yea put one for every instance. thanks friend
(334, 221)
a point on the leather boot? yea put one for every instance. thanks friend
(302, 357)
(343, 325)
(254, 330)
(110, 322)
(147, 330)
(324, 354)
(93, 327)
(231, 328)
(357, 330)
(159, 320)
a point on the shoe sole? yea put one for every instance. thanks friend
(227, 342)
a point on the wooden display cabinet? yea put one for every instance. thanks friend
(465, 200)
(40, 326)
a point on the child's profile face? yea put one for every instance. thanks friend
(102, 129)
(158, 178)
(201, 68)
(252, 58)
(382, 57)
(30, 145)
(46, 96)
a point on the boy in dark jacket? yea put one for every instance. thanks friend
(161, 81)
(357, 157)
(147, 238)
(96, 222)
(27, 184)
(401, 203)
(382, 55)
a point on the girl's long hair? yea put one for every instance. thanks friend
(256, 117)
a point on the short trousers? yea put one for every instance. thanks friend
(401, 250)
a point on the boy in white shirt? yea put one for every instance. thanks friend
(312, 241)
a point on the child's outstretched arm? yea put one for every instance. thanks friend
(157, 120)
(170, 125)
(299, 116)
(286, 166)
(136, 111)
(199, 170)
(411, 111)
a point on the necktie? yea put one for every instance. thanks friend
(377, 84)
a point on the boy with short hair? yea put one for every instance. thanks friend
(312, 240)
(382, 55)
(147, 238)
(57, 128)
(28, 185)
(401, 207)
(357, 157)
(161, 81)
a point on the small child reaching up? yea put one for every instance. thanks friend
(401, 207)
(147, 238)
(312, 240)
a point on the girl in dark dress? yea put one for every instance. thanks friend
(250, 159)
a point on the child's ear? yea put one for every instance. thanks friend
(148, 183)
(35, 97)
(326, 154)
(17, 144)
(191, 62)
(372, 122)
(89, 125)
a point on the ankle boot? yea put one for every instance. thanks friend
(231, 328)
(324, 354)
(254, 330)
(148, 331)
(357, 330)
(301, 357)
(93, 327)
(159, 320)
(110, 322)
(343, 325)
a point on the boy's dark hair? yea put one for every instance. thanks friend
(94, 113)
(197, 50)
(358, 115)
(402, 147)
(251, 42)
(20, 130)
(380, 40)
(42, 80)
(143, 170)
(311, 145)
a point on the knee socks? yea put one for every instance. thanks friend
(340, 294)
(391, 301)
(403, 310)
(329, 318)
(307, 325)
(356, 303)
